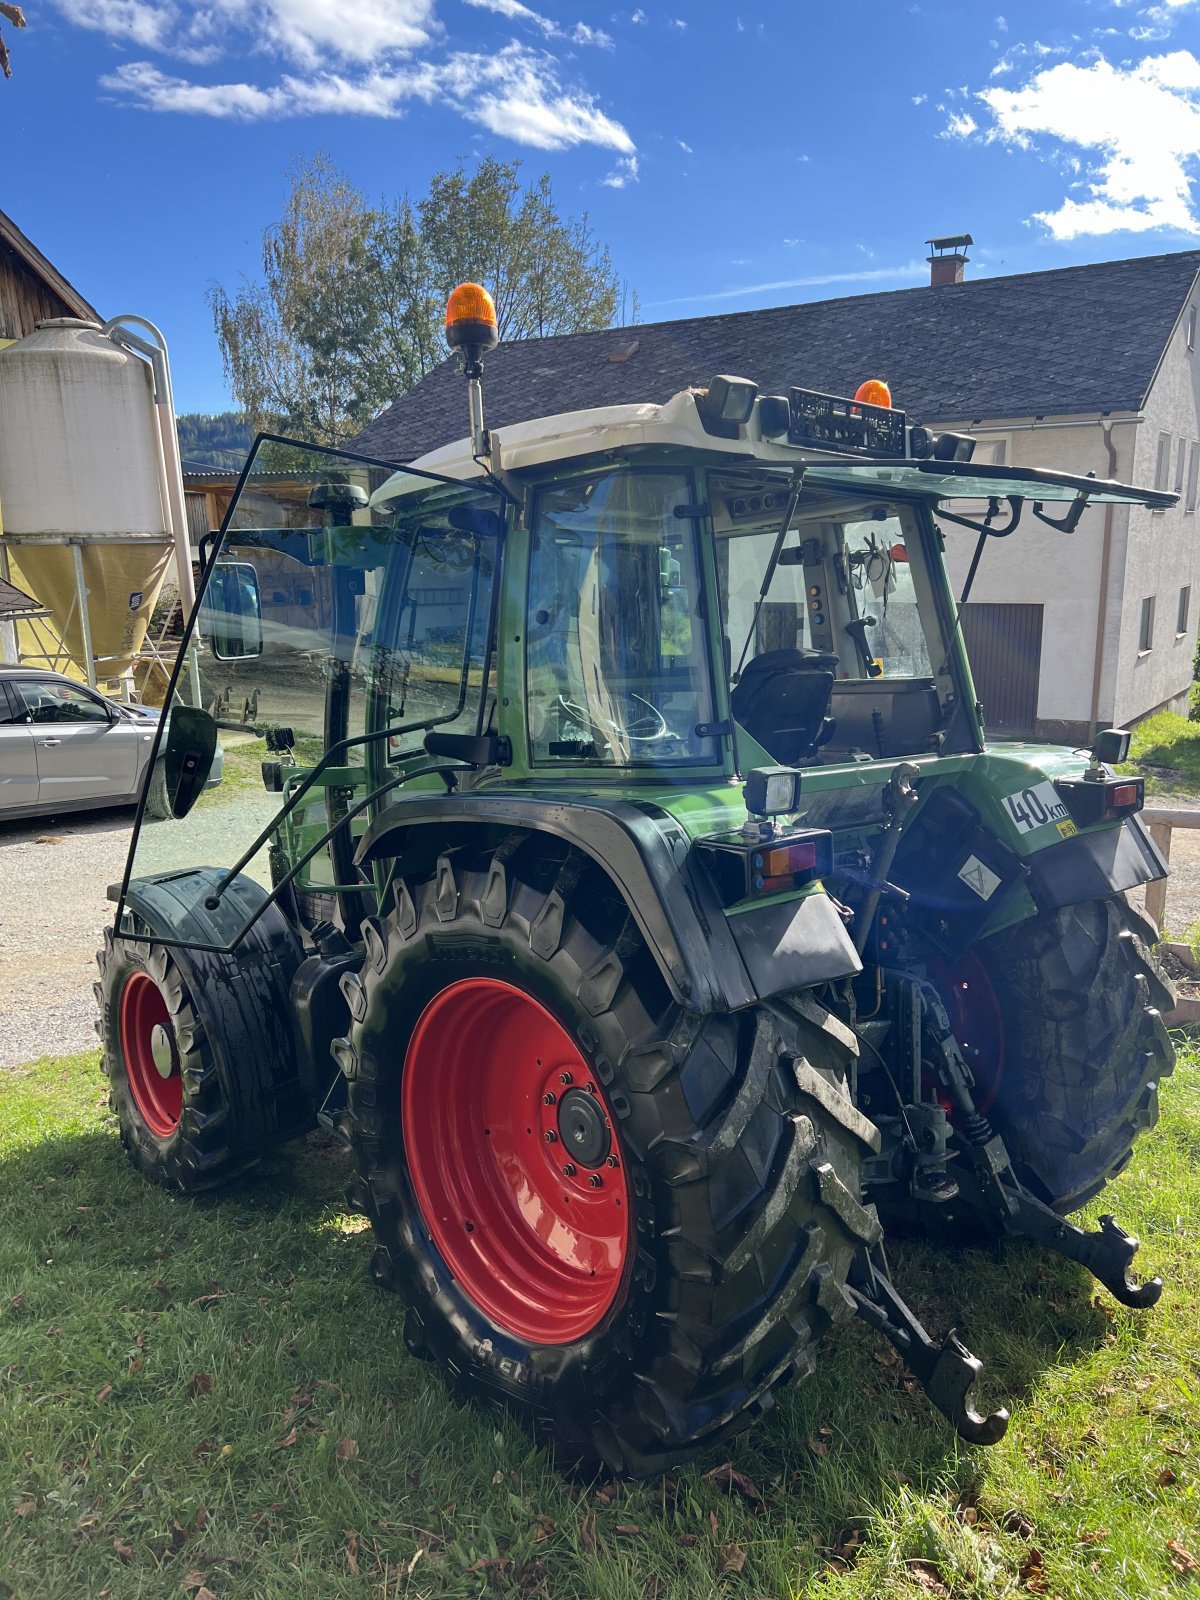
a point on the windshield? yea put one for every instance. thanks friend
(330, 638)
(842, 655)
(617, 654)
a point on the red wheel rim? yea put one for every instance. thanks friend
(509, 1143)
(976, 1021)
(148, 1046)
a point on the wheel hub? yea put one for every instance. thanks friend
(583, 1128)
(513, 1164)
(162, 1050)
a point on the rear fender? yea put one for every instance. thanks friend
(709, 962)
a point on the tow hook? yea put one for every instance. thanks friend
(946, 1372)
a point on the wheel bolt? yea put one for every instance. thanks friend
(549, 1099)
(591, 1088)
(569, 1170)
(610, 1161)
(564, 1077)
(595, 1181)
(550, 1136)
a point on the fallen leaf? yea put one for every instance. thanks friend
(162, 1287)
(135, 1366)
(1166, 1478)
(103, 1394)
(204, 1449)
(1031, 1575)
(732, 1559)
(687, 1540)
(544, 1528)
(607, 1493)
(201, 1383)
(927, 1576)
(819, 1448)
(727, 1477)
(26, 1508)
(352, 1551)
(205, 1300)
(629, 1530)
(124, 1550)
(587, 1531)
(531, 1577)
(1182, 1559)
(1095, 1536)
(1175, 1449)
(346, 1449)
(17, 1301)
(205, 1594)
(193, 1579)
(1017, 1522)
(713, 1525)
(200, 1520)
(285, 1443)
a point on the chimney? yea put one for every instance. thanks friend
(948, 259)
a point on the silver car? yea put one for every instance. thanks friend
(64, 747)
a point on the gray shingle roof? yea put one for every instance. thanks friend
(1076, 339)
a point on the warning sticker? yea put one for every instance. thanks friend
(1036, 806)
(1067, 828)
(979, 877)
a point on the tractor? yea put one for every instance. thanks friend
(610, 849)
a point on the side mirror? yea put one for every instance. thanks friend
(187, 756)
(231, 617)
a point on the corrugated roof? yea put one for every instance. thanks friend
(1075, 339)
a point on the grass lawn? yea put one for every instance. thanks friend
(1166, 748)
(211, 1399)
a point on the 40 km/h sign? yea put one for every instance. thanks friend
(1034, 807)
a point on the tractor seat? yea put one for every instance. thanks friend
(782, 701)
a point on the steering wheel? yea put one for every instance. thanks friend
(643, 723)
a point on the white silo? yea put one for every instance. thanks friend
(83, 487)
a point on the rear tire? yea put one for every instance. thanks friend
(733, 1137)
(198, 1052)
(1085, 1047)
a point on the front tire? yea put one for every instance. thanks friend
(636, 1286)
(198, 1053)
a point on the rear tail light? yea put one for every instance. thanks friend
(745, 868)
(1092, 800)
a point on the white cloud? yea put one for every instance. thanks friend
(960, 126)
(919, 99)
(1139, 124)
(514, 11)
(685, 147)
(790, 243)
(515, 93)
(1002, 24)
(678, 22)
(623, 174)
(911, 269)
(639, 16)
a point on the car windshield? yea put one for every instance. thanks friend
(330, 638)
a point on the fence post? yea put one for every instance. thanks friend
(1156, 893)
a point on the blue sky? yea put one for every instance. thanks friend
(732, 155)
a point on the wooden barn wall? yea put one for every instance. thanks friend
(24, 299)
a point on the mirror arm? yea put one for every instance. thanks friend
(1015, 505)
(1069, 521)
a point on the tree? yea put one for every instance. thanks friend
(346, 316)
(16, 16)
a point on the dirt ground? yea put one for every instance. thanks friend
(53, 909)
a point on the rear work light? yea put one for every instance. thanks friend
(743, 868)
(1092, 800)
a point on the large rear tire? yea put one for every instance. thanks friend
(198, 1052)
(1080, 1001)
(627, 1223)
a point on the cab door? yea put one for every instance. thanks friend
(18, 763)
(83, 751)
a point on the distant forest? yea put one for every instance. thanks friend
(220, 441)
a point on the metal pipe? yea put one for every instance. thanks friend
(155, 350)
(1102, 598)
(475, 406)
(85, 625)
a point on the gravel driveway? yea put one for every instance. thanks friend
(53, 910)
(54, 873)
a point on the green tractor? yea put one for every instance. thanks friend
(610, 848)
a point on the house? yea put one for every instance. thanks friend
(1089, 369)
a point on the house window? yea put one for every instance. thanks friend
(1185, 605)
(1146, 630)
(1180, 456)
(1162, 465)
(1189, 503)
(991, 452)
(1191, 328)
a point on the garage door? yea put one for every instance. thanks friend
(1005, 647)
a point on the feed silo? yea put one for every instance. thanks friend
(83, 488)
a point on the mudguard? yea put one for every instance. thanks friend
(710, 962)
